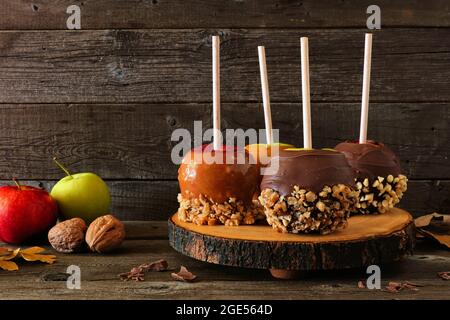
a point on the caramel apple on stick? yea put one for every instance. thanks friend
(218, 182)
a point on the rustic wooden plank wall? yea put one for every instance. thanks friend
(106, 98)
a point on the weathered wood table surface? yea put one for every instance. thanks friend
(147, 242)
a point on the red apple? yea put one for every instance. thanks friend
(25, 212)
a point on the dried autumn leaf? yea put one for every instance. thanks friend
(443, 239)
(435, 226)
(184, 275)
(33, 254)
(425, 220)
(8, 254)
(8, 265)
(32, 250)
(420, 235)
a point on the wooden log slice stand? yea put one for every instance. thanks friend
(374, 239)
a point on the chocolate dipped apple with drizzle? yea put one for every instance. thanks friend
(378, 172)
(219, 184)
(312, 190)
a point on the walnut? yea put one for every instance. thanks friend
(105, 234)
(68, 236)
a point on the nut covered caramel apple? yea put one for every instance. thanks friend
(219, 187)
(312, 191)
(378, 175)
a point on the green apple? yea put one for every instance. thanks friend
(298, 149)
(256, 150)
(82, 195)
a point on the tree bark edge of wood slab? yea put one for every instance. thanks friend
(294, 255)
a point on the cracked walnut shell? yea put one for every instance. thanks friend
(105, 234)
(68, 236)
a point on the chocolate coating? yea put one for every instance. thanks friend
(309, 169)
(371, 159)
(219, 181)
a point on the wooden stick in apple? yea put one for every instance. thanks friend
(217, 141)
(220, 183)
(265, 94)
(263, 152)
(365, 89)
(306, 101)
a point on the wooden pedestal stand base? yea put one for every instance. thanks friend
(375, 239)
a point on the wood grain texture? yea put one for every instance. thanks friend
(145, 230)
(100, 280)
(360, 228)
(409, 65)
(157, 200)
(133, 199)
(366, 241)
(133, 141)
(104, 14)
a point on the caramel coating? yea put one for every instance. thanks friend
(235, 176)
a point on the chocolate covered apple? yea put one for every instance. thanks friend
(219, 187)
(312, 191)
(378, 175)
